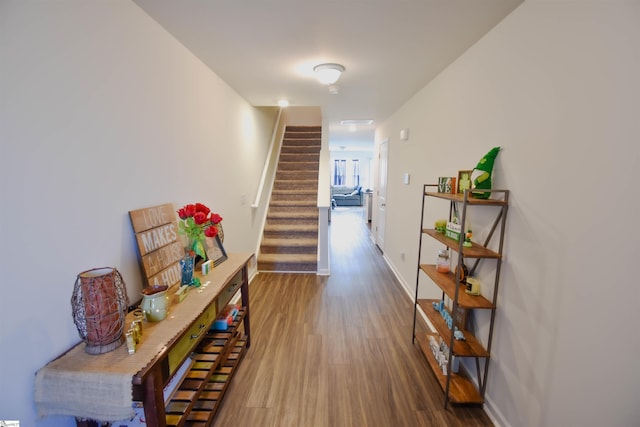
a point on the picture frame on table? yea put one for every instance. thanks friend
(464, 180)
(214, 249)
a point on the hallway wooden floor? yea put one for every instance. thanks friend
(336, 351)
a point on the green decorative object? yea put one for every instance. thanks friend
(453, 231)
(481, 176)
(467, 239)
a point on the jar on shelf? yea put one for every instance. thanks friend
(443, 263)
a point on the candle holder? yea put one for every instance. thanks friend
(99, 304)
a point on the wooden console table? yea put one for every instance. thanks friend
(103, 387)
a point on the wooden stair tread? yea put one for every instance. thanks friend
(291, 227)
(289, 257)
(279, 217)
(293, 203)
(295, 193)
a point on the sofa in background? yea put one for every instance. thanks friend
(342, 195)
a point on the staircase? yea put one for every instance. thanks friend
(290, 239)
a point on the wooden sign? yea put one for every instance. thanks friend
(145, 219)
(157, 238)
(158, 260)
(169, 276)
(159, 246)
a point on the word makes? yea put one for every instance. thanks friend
(157, 237)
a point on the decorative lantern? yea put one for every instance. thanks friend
(99, 303)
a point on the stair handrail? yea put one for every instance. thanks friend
(267, 161)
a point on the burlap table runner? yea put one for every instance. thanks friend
(99, 387)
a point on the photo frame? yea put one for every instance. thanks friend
(214, 249)
(464, 180)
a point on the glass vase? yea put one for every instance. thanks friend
(186, 267)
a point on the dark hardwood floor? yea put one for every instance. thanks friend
(336, 351)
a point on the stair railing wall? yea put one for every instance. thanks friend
(271, 160)
(268, 176)
(324, 204)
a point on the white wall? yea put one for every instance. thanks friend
(102, 112)
(556, 85)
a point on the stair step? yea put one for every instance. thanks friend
(298, 166)
(290, 149)
(291, 242)
(295, 191)
(297, 222)
(294, 203)
(303, 245)
(284, 184)
(292, 228)
(288, 262)
(290, 234)
(300, 157)
(293, 200)
(288, 134)
(288, 175)
(294, 128)
(300, 213)
(301, 142)
(302, 258)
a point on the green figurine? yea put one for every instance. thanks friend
(467, 239)
(481, 176)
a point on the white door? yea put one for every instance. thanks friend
(383, 153)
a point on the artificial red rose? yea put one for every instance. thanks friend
(202, 208)
(199, 218)
(187, 211)
(211, 231)
(215, 218)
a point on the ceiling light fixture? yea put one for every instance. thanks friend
(356, 122)
(283, 103)
(328, 73)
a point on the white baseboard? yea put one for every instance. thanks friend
(324, 272)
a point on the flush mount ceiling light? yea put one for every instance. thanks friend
(356, 122)
(328, 73)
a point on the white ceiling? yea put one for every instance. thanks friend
(266, 49)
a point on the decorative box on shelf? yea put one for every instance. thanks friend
(453, 231)
(447, 184)
(225, 318)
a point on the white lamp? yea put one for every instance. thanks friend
(329, 73)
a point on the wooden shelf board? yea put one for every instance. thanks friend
(461, 389)
(470, 200)
(475, 251)
(470, 347)
(447, 282)
(207, 405)
(213, 364)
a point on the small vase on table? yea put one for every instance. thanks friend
(186, 268)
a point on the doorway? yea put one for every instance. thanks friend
(381, 194)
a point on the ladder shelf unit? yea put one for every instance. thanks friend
(442, 347)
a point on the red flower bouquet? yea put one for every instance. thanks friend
(198, 222)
